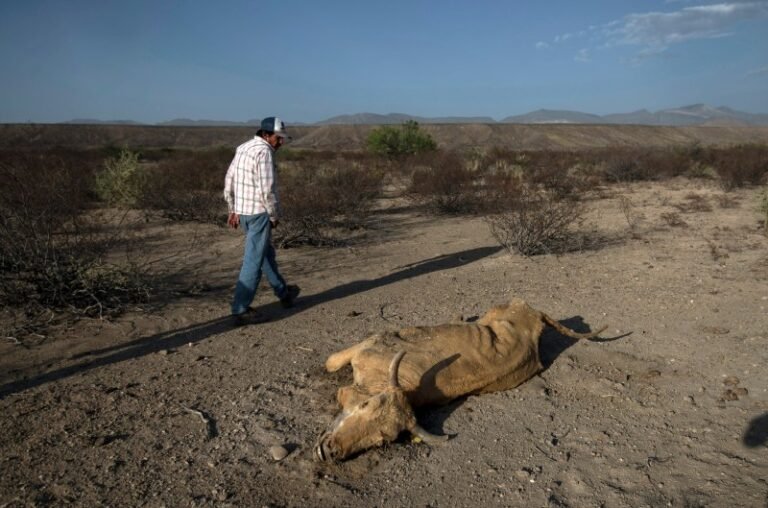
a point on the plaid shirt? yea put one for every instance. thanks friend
(250, 186)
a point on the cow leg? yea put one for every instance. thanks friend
(343, 357)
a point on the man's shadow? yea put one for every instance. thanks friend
(201, 331)
(435, 264)
(94, 359)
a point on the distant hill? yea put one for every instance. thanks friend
(93, 121)
(398, 118)
(186, 122)
(553, 116)
(694, 114)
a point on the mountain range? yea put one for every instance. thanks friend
(695, 114)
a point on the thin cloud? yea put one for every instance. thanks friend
(762, 71)
(646, 54)
(542, 45)
(583, 56)
(656, 29)
(655, 32)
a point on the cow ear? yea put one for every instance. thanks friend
(503, 325)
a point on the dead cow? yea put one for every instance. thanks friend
(397, 371)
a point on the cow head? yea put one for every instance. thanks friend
(372, 422)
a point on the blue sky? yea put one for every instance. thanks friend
(236, 60)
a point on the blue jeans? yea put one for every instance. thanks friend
(259, 256)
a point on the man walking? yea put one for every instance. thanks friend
(250, 189)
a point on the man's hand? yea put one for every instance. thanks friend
(233, 220)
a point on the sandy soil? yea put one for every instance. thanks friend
(180, 409)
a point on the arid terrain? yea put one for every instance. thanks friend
(178, 408)
(353, 137)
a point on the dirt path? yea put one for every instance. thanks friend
(180, 409)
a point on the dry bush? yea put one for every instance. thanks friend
(498, 158)
(53, 251)
(497, 188)
(537, 222)
(727, 200)
(442, 181)
(318, 199)
(187, 186)
(633, 218)
(739, 166)
(673, 219)
(623, 165)
(694, 203)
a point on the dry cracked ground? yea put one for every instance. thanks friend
(177, 408)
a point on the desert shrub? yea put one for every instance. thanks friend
(631, 216)
(726, 200)
(53, 249)
(740, 165)
(623, 165)
(694, 203)
(673, 219)
(121, 182)
(536, 222)
(408, 139)
(763, 207)
(699, 169)
(498, 158)
(629, 166)
(318, 199)
(495, 187)
(188, 186)
(444, 183)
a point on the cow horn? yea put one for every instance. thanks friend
(393, 368)
(428, 437)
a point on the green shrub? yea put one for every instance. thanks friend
(409, 139)
(121, 183)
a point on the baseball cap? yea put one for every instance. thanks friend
(275, 125)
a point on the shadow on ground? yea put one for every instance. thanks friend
(198, 332)
(757, 432)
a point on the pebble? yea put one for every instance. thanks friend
(278, 452)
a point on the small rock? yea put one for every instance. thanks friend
(163, 352)
(278, 452)
(740, 391)
(523, 474)
(729, 395)
(731, 381)
(650, 374)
